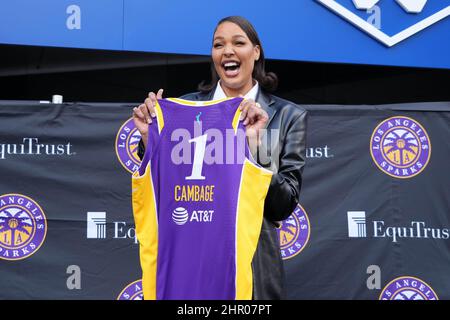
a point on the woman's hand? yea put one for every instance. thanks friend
(254, 119)
(143, 114)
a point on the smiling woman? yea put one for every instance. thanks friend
(238, 59)
(238, 69)
(234, 56)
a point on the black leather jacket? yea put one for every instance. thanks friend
(283, 152)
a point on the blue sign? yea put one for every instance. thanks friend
(63, 23)
(383, 32)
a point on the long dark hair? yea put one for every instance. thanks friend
(267, 80)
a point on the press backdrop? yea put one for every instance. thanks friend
(373, 220)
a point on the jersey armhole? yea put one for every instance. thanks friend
(238, 125)
(155, 131)
(252, 161)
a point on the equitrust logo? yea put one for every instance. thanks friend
(397, 20)
(319, 152)
(34, 146)
(97, 227)
(360, 227)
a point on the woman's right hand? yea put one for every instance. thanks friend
(143, 114)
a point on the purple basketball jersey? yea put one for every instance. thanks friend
(198, 200)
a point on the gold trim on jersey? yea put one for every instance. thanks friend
(159, 117)
(236, 119)
(255, 182)
(197, 103)
(146, 222)
(191, 103)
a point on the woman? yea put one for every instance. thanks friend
(238, 70)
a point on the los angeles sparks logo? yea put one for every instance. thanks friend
(408, 288)
(294, 233)
(23, 227)
(127, 142)
(133, 291)
(400, 147)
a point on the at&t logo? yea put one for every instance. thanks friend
(180, 216)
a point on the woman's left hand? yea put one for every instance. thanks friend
(254, 118)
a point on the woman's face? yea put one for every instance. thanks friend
(234, 57)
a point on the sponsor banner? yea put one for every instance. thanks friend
(377, 205)
(372, 220)
(65, 202)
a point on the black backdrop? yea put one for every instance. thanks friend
(65, 159)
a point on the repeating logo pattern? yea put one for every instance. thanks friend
(400, 147)
(133, 291)
(23, 227)
(294, 233)
(408, 288)
(127, 142)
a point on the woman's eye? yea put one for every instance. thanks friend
(240, 43)
(217, 45)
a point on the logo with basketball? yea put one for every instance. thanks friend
(408, 288)
(294, 233)
(23, 227)
(133, 291)
(127, 142)
(400, 147)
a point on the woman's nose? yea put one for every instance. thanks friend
(228, 50)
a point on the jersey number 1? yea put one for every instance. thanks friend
(199, 155)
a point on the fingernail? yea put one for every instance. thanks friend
(149, 120)
(153, 115)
